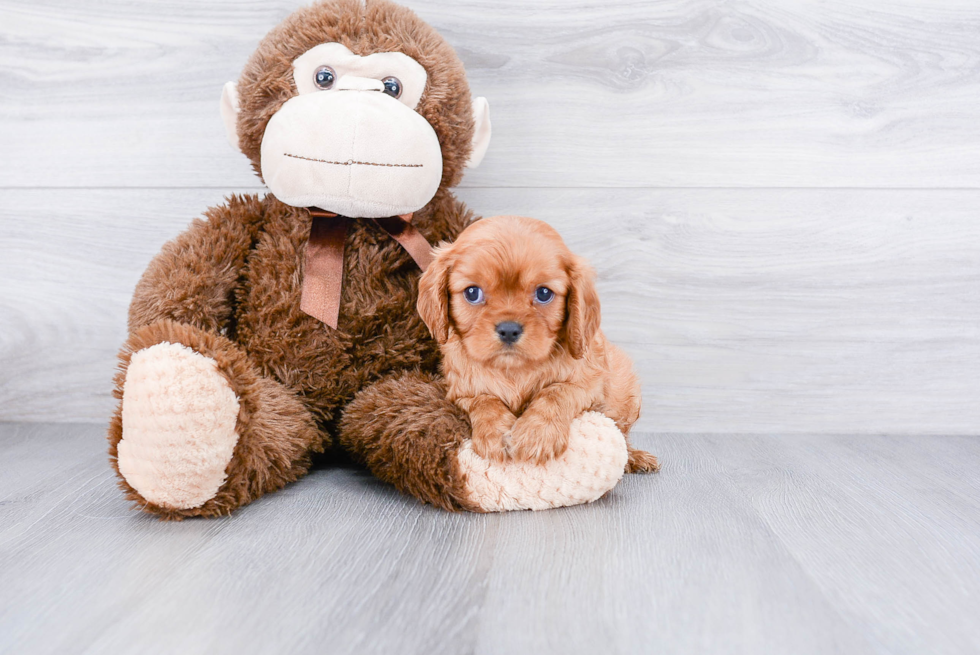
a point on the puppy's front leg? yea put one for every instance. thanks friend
(490, 420)
(542, 430)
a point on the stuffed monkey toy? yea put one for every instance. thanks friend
(284, 325)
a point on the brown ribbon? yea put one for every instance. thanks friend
(323, 276)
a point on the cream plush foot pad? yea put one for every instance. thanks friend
(592, 465)
(178, 417)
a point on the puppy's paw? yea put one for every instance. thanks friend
(537, 438)
(640, 461)
(488, 437)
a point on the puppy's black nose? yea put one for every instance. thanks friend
(509, 332)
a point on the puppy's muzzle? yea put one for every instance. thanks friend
(509, 332)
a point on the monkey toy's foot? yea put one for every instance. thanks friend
(592, 465)
(178, 426)
(199, 431)
(406, 431)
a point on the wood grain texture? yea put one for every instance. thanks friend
(672, 93)
(742, 544)
(745, 310)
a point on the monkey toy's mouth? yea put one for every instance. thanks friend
(360, 154)
(351, 162)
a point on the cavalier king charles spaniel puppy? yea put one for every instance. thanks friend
(516, 315)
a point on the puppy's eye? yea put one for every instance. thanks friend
(544, 295)
(324, 77)
(473, 295)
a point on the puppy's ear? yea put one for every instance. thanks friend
(582, 313)
(433, 304)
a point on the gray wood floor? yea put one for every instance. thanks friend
(742, 544)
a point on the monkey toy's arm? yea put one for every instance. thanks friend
(193, 278)
(199, 431)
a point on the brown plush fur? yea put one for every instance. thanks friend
(378, 430)
(229, 288)
(522, 396)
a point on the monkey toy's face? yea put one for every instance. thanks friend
(351, 141)
(351, 136)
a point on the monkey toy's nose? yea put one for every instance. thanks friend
(355, 83)
(509, 332)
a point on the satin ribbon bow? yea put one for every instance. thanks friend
(323, 276)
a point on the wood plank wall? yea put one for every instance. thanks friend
(782, 198)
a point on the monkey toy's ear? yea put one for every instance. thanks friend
(229, 113)
(481, 131)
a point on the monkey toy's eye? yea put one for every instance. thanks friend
(473, 295)
(544, 295)
(324, 77)
(393, 86)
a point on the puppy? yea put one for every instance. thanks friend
(517, 317)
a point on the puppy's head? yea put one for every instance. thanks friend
(512, 291)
